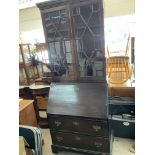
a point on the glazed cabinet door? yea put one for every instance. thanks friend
(87, 23)
(56, 23)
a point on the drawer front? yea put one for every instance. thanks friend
(85, 126)
(42, 102)
(99, 144)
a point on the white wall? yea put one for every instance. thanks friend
(30, 25)
(114, 8)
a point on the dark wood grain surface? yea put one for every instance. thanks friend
(78, 99)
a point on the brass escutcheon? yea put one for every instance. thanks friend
(96, 127)
(59, 139)
(97, 144)
(77, 138)
(57, 123)
(76, 123)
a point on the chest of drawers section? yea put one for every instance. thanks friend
(80, 134)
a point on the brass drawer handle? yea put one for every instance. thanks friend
(96, 128)
(126, 123)
(77, 138)
(97, 144)
(76, 123)
(59, 139)
(57, 123)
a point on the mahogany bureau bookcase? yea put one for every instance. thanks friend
(78, 97)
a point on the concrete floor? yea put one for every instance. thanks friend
(121, 146)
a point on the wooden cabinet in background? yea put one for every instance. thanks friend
(122, 91)
(27, 114)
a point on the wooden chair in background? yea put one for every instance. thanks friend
(118, 67)
(119, 70)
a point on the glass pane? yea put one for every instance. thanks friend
(59, 43)
(87, 31)
(61, 58)
(56, 24)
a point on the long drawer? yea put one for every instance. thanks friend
(85, 126)
(92, 143)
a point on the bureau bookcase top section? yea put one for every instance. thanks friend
(74, 32)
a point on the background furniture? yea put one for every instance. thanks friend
(43, 61)
(22, 150)
(133, 58)
(122, 91)
(33, 139)
(27, 114)
(44, 66)
(40, 96)
(27, 73)
(119, 69)
(24, 92)
(122, 111)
